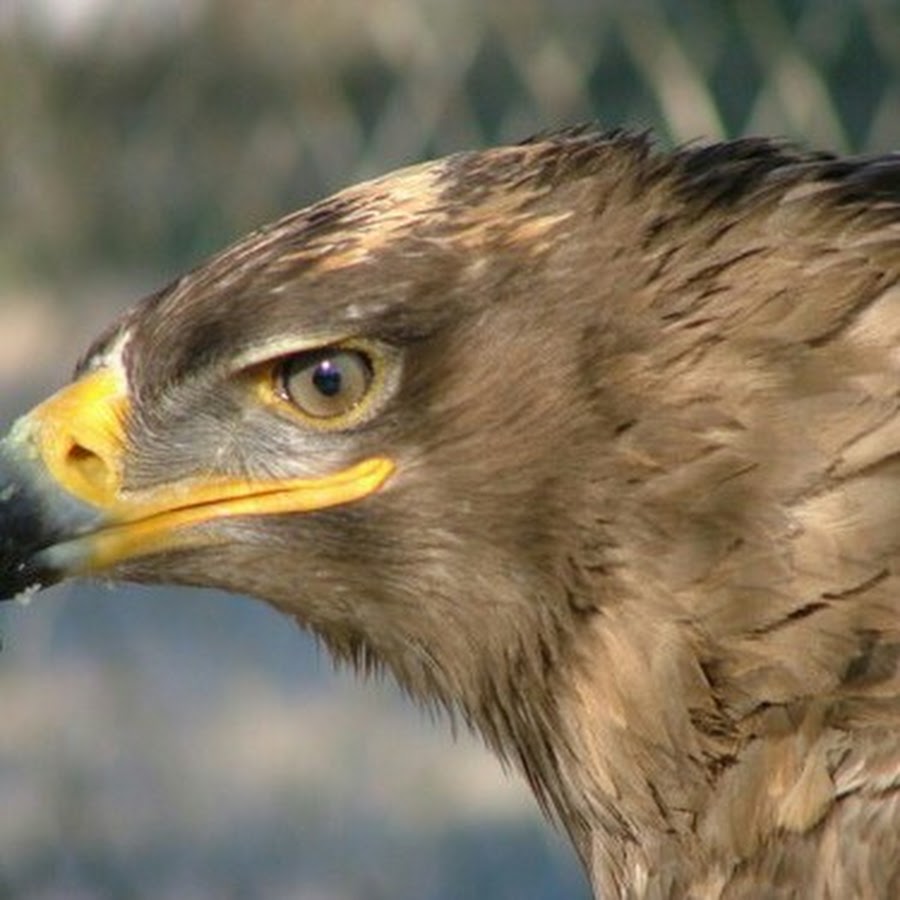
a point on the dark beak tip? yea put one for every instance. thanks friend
(23, 532)
(19, 578)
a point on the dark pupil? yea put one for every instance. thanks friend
(327, 378)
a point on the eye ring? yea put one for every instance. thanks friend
(327, 385)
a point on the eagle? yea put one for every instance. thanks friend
(594, 444)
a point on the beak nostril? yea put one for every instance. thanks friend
(78, 453)
(78, 436)
(87, 464)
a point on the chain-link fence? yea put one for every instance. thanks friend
(135, 136)
(173, 747)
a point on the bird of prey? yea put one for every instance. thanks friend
(595, 445)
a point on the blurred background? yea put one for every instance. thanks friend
(164, 744)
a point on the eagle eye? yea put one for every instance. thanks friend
(326, 383)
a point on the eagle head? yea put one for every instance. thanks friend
(594, 445)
